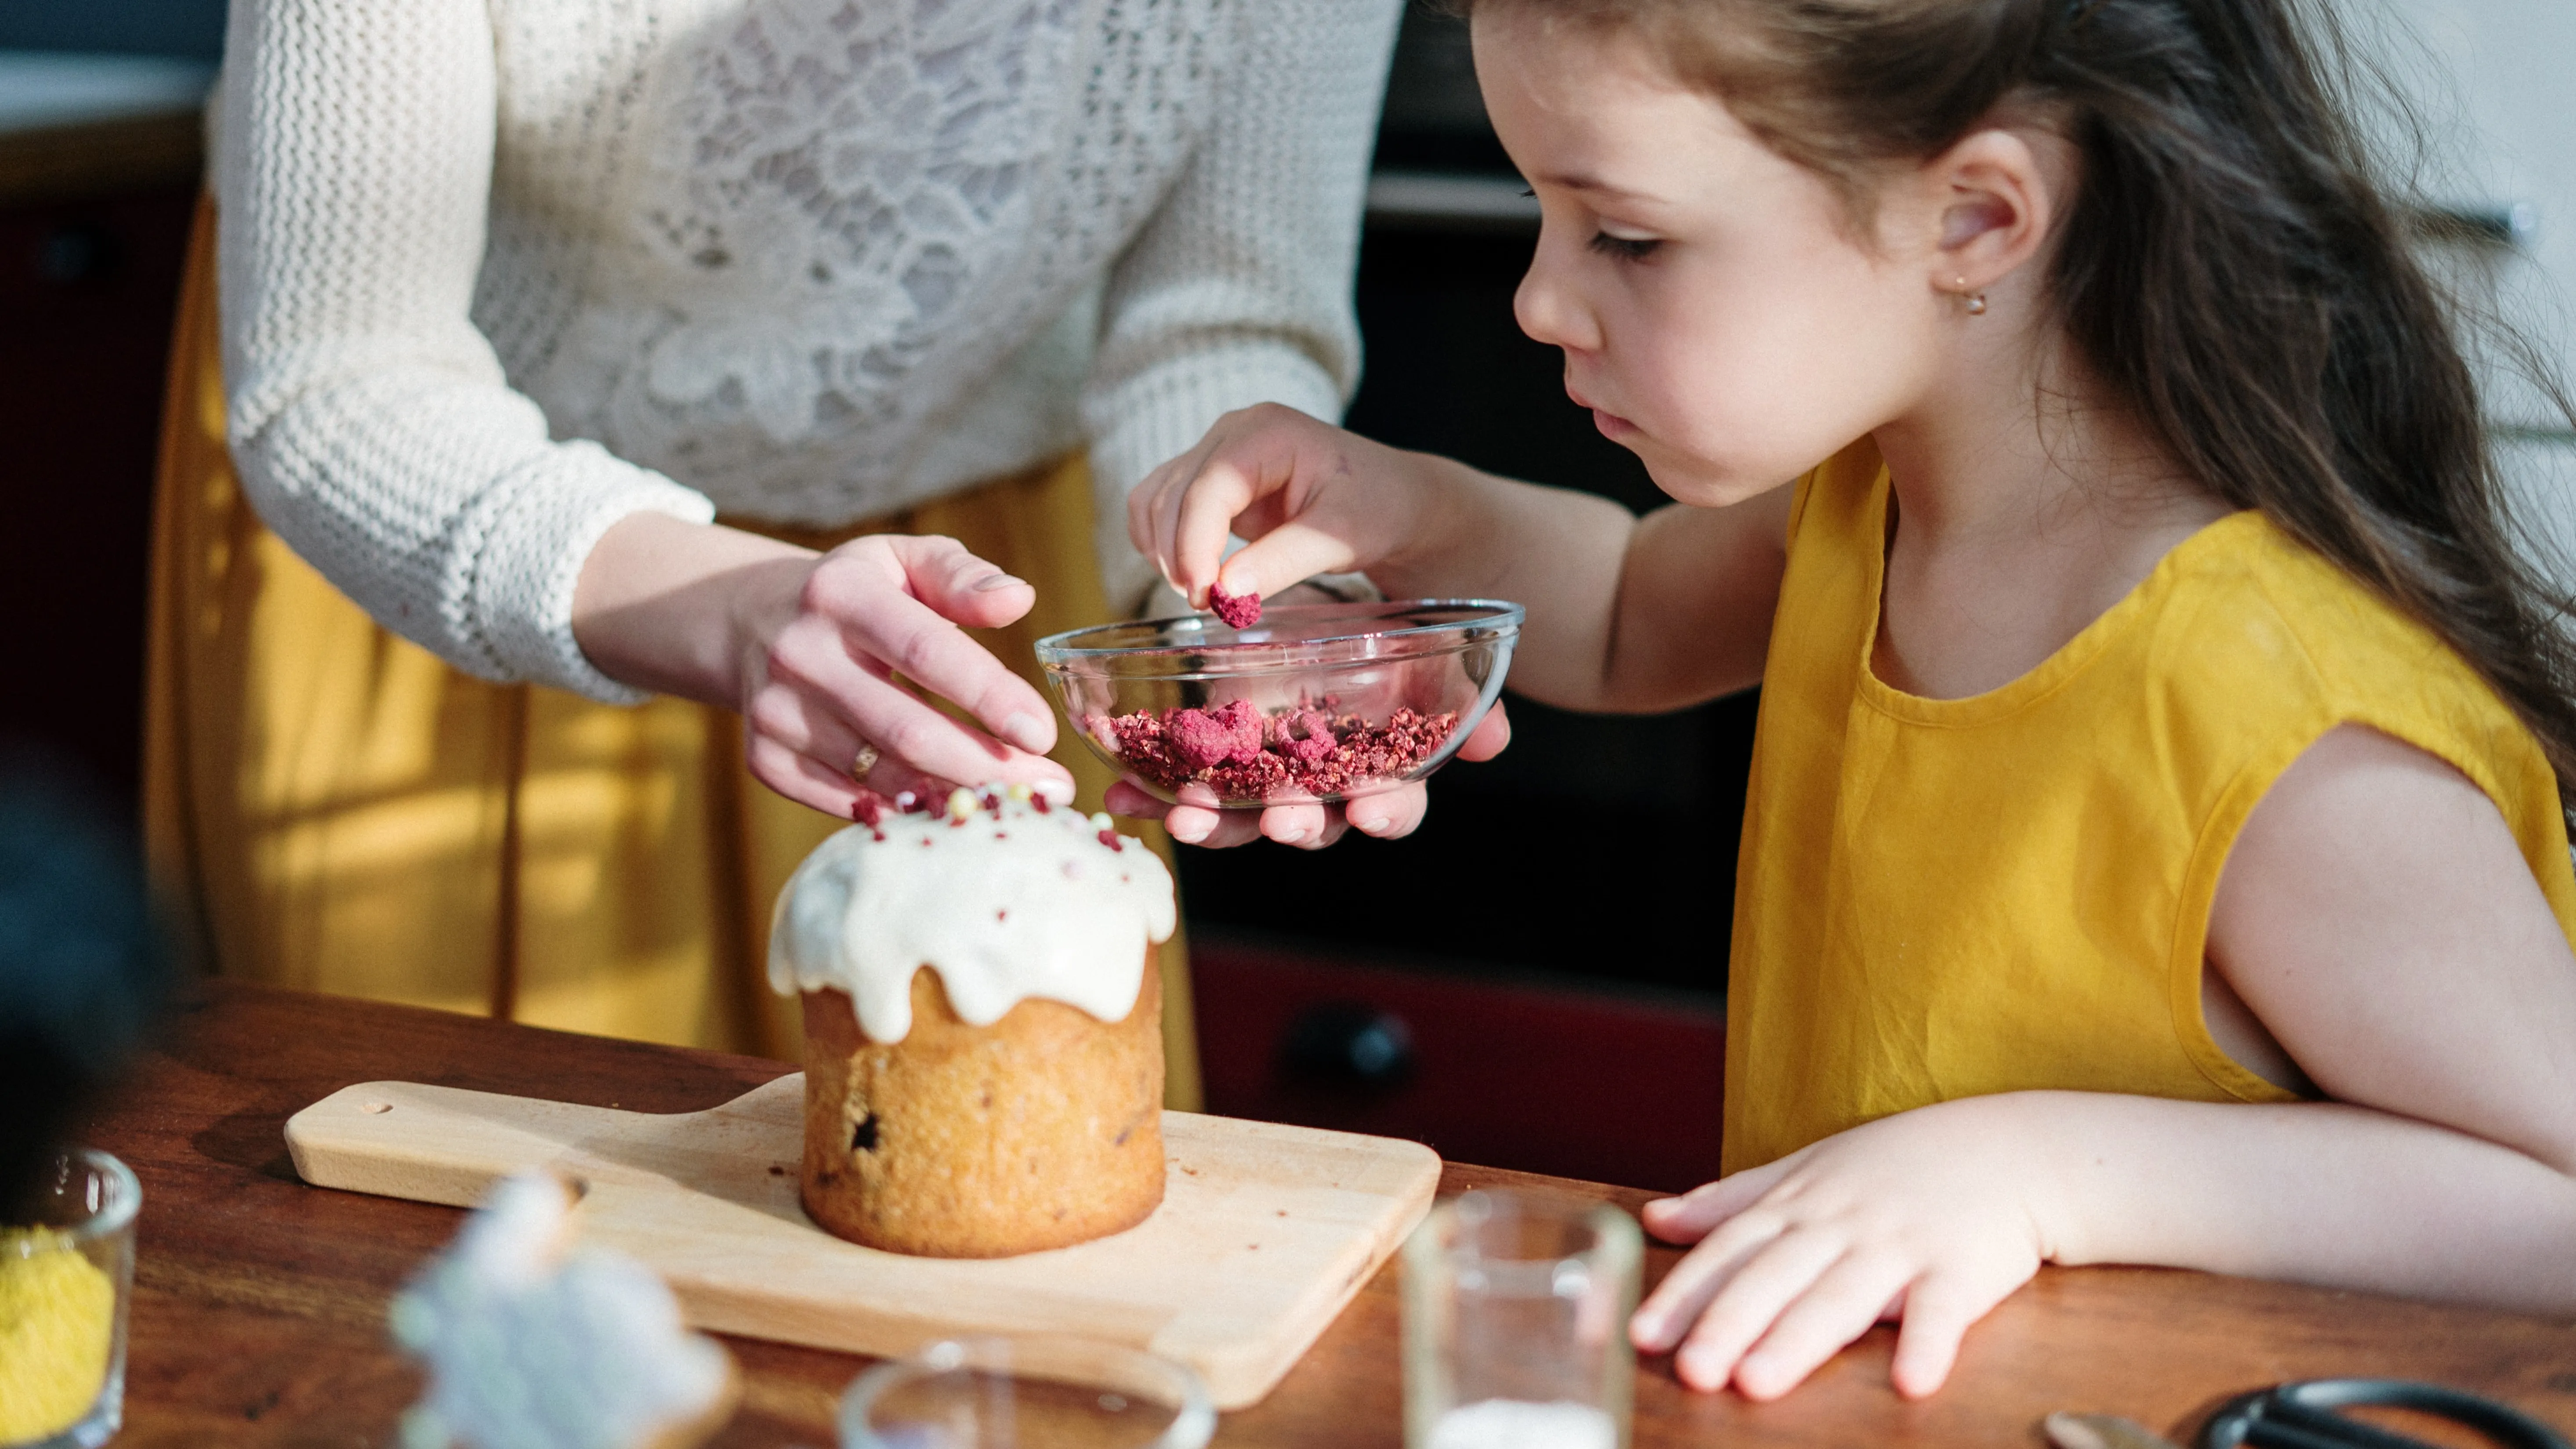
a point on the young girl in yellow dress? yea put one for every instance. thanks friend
(2155, 851)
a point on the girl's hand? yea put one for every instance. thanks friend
(1312, 498)
(809, 648)
(1929, 1217)
(1387, 814)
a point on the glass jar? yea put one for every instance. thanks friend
(65, 1281)
(1516, 1310)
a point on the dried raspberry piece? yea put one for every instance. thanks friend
(868, 809)
(1239, 611)
(1199, 739)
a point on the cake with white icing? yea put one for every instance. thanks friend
(532, 1342)
(983, 1042)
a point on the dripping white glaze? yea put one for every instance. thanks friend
(1003, 899)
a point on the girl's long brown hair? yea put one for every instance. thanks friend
(2230, 266)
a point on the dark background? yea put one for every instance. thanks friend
(193, 28)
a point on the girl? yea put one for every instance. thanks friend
(2155, 849)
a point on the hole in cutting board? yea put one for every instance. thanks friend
(374, 1109)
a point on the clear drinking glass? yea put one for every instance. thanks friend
(1516, 1312)
(1037, 1392)
(74, 1277)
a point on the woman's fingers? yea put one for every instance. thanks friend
(799, 776)
(810, 659)
(903, 633)
(1839, 1306)
(1750, 1301)
(957, 585)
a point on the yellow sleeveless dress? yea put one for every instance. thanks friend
(333, 808)
(1947, 898)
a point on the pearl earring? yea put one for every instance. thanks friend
(1976, 300)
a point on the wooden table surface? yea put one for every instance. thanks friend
(259, 1302)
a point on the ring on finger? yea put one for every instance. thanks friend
(865, 761)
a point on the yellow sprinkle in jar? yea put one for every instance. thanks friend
(63, 1290)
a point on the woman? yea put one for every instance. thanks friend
(603, 351)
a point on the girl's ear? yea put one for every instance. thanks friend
(1997, 195)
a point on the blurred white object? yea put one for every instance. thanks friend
(533, 1344)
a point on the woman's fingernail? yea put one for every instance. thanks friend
(997, 582)
(1368, 824)
(1027, 731)
(1189, 832)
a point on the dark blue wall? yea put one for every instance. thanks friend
(146, 27)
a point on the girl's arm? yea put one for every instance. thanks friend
(2378, 916)
(1625, 614)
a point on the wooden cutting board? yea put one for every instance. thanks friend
(1264, 1234)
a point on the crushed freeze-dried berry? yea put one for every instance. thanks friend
(1239, 611)
(1302, 751)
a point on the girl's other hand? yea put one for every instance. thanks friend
(1312, 498)
(1386, 815)
(1928, 1218)
(828, 657)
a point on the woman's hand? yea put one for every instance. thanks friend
(1929, 1217)
(816, 651)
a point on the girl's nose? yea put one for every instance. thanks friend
(1548, 308)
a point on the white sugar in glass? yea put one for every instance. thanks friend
(1516, 1312)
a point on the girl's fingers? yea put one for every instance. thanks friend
(1939, 1307)
(1389, 814)
(1227, 482)
(1212, 829)
(1302, 825)
(1489, 737)
(1668, 1313)
(1283, 556)
(1838, 1307)
(1687, 1218)
(1750, 1301)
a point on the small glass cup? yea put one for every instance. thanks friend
(1038, 1392)
(1516, 1312)
(88, 1203)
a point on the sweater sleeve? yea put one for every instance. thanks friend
(371, 422)
(1238, 290)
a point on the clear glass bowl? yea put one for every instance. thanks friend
(1315, 703)
(1020, 1393)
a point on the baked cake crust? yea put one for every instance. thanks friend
(1041, 1130)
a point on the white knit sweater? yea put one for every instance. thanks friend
(496, 273)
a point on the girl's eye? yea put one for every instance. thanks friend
(1626, 248)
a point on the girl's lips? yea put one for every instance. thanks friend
(1611, 424)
